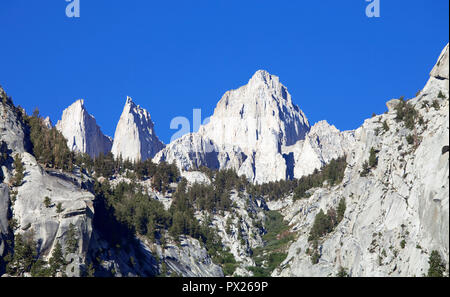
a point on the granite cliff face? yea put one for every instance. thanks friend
(260, 133)
(4, 206)
(399, 212)
(47, 224)
(12, 139)
(258, 115)
(135, 137)
(81, 131)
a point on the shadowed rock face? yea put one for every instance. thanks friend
(82, 132)
(135, 137)
(4, 204)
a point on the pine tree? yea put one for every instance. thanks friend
(341, 210)
(57, 259)
(151, 231)
(4, 96)
(90, 270)
(321, 226)
(365, 170)
(178, 224)
(59, 208)
(25, 254)
(71, 240)
(47, 202)
(19, 175)
(3, 152)
(373, 160)
(40, 269)
(437, 267)
(342, 272)
(49, 145)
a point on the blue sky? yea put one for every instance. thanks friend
(173, 56)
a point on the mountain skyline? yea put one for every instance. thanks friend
(255, 130)
(189, 55)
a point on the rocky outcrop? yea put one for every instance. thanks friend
(189, 259)
(82, 132)
(46, 224)
(321, 145)
(441, 70)
(391, 104)
(135, 137)
(192, 151)
(48, 123)
(238, 229)
(399, 212)
(196, 177)
(11, 125)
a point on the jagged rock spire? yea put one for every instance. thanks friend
(82, 132)
(135, 137)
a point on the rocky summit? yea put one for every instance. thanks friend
(81, 131)
(135, 137)
(258, 131)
